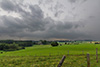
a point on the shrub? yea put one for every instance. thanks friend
(23, 47)
(54, 44)
(97, 43)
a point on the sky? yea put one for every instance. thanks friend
(49, 19)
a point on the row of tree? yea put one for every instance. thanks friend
(10, 47)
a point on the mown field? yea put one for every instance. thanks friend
(48, 56)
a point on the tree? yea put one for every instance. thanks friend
(54, 44)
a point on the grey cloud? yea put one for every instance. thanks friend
(34, 25)
(58, 13)
(50, 8)
(40, 2)
(7, 5)
(58, 9)
(84, 1)
(61, 30)
(91, 17)
(30, 22)
(36, 11)
(48, 1)
(72, 1)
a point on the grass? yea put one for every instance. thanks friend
(48, 56)
(45, 50)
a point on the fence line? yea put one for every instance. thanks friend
(88, 58)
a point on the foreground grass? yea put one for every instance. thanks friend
(46, 61)
(48, 56)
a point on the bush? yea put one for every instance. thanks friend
(97, 43)
(54, 44)
(23, 47)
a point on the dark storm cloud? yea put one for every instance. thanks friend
(60, 30)
(33, 24)
(30, 21)
(33, 19)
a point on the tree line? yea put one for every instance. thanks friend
(11, 45)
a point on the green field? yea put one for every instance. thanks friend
(48, 56)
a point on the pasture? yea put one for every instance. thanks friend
(48, 56)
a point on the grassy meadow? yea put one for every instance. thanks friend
(48, 56)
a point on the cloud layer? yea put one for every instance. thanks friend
(31, 23)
